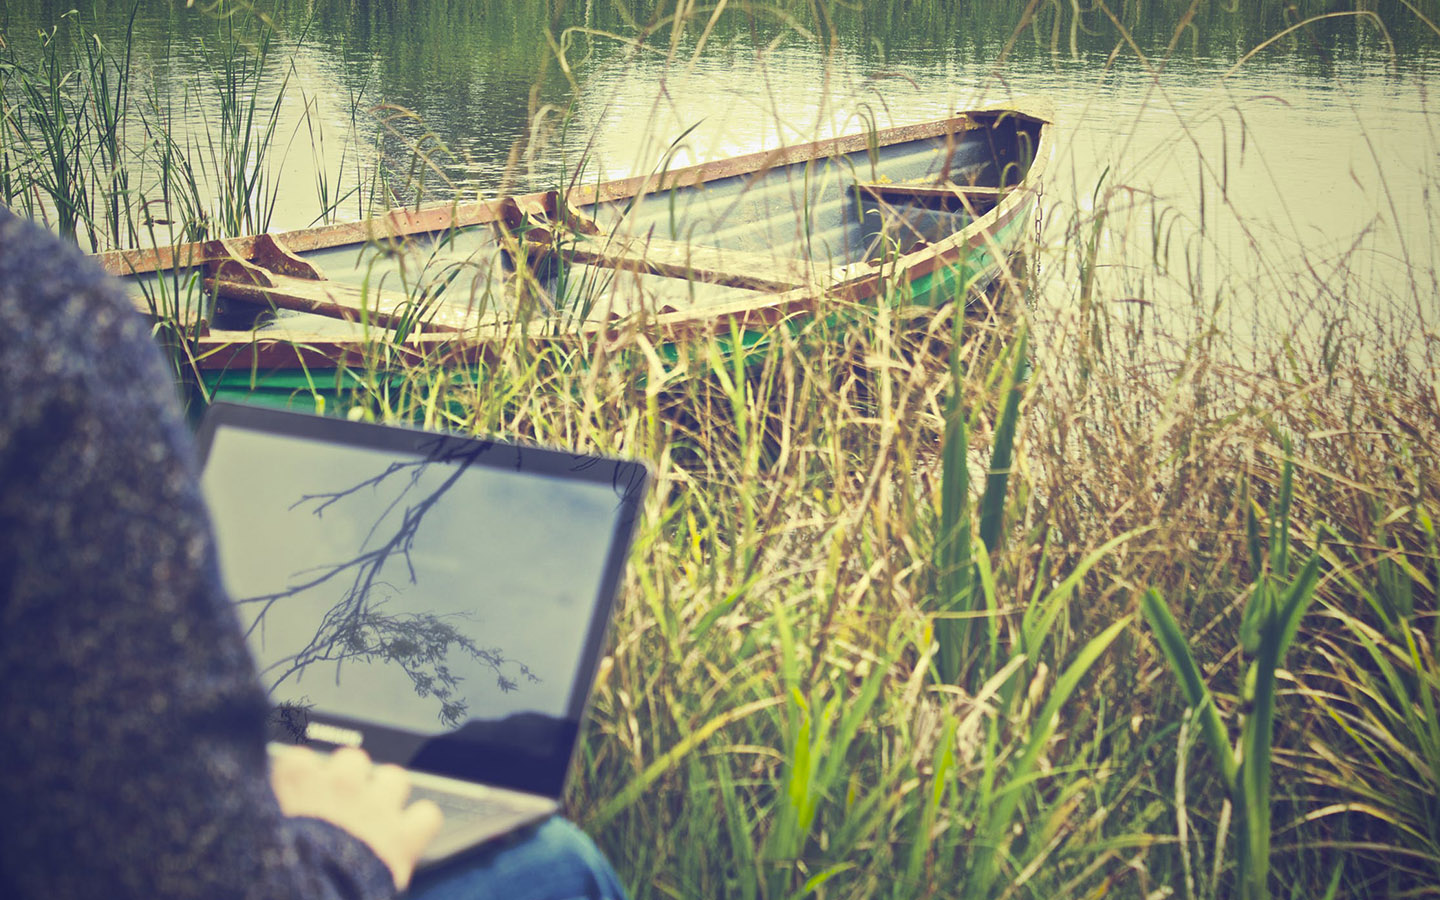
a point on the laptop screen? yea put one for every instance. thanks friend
(440, 600)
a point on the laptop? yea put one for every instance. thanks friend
(439, 601)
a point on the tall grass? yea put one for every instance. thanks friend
(778, 719)
(112, 157)
(62, 133)
(240, 140)
(1272, 617)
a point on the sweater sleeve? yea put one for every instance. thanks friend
(132, 759)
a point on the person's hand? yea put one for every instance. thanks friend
(347, 790)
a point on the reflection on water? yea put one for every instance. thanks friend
(1301, 162)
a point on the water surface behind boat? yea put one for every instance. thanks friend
(1296, 169)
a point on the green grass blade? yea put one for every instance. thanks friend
(1297, 601)
(1002, 456)
(1252, 535)
(953, 554)
(1040, 617)
(670, 758)
(990, 593)
(1280, 516)
(737, 827)
(857, 713)
(1254, 799)
(942, 762)
(1182, 662)
(1021, 776)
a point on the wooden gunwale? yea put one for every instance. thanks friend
(734, 268)
(765, 160)
(337, 300)
(394, 224)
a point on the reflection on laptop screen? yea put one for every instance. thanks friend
(421, 592)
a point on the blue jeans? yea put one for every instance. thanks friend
(553, 861)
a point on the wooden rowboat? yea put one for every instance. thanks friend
(923, 214)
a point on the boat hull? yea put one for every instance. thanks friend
(925, 214)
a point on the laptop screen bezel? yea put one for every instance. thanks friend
(540, 772)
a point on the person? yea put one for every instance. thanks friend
(132, 753)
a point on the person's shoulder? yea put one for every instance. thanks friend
(49, 286)
(31, 255)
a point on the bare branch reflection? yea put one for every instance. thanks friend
(358, 628)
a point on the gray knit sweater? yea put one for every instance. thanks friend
(132, 762)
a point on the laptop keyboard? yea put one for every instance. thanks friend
(465, 808)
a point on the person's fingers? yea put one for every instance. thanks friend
(348, 790)
(392, 783)
(423, 820)
(350, 757)
(293, 766)
(290, 759)
(415, 827)
(350, 767)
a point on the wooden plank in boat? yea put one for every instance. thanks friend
(288, 345)
(947, 196)
(188, 319)
(713, 265)
(342, 301)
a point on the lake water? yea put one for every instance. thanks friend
(1297, 181)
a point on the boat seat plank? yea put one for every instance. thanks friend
(946, 196)
(712, 265)
(188, 319)
(342, 301)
